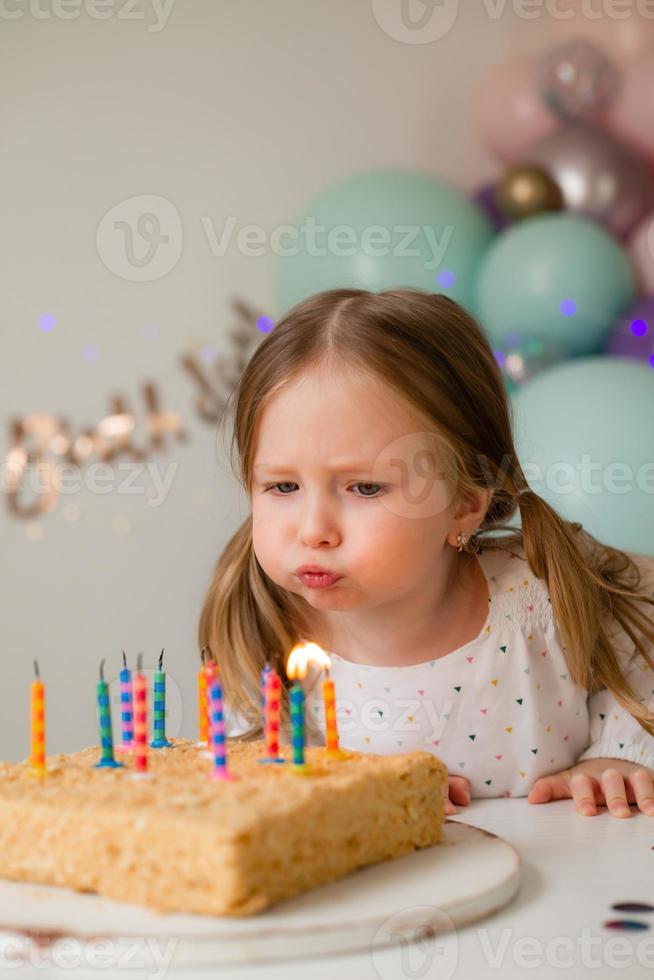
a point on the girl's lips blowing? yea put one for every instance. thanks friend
(316, 577)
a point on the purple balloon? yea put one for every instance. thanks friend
(633, 334)
(484, 197)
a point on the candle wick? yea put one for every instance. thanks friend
(160, 659)
(102, 671)
(124, 660)
(36, 668)
(139, 662)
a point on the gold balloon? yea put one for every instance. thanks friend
(526, 190)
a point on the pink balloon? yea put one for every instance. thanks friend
(632, 114)
(509, 112)
(641, 253)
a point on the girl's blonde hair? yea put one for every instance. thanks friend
(428, 350)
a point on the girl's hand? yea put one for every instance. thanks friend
(458, 788)
(614, 783)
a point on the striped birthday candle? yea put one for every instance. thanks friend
(126, 708)
(159, 709)
(104, 719)
(140, 719)
(218, 744)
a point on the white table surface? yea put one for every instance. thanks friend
(574, 868)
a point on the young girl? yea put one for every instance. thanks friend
(375, 443)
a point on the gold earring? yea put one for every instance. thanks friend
(462, 540)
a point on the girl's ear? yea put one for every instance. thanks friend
(469, 514)
(472, 509)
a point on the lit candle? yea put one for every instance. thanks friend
(300, 657)
(37, 725)
(203, 717)
(104, 718)
(271, 703)
(297, 724)
(140, 720)
(220, 770)
(159, 710)
(126, 708)
(296, 668)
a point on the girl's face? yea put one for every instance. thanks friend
(344, 478)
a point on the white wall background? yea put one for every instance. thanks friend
(245, 109)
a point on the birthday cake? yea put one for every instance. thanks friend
(177, 841)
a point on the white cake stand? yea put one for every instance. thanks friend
(432, 891)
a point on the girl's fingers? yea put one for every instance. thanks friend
(615, 793)
(554, 787)
(642, 785)
(456, 791)
(583, 793)
(460, 791)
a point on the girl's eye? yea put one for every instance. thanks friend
(378, 493)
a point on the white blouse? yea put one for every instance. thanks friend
(501, 710)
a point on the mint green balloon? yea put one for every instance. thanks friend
(584, 434)
(558, 277)
(396, 229)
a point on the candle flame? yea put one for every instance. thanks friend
(300, 657)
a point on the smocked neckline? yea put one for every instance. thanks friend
(487, 560)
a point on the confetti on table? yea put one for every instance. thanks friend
(626, 925)
(633, 907)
